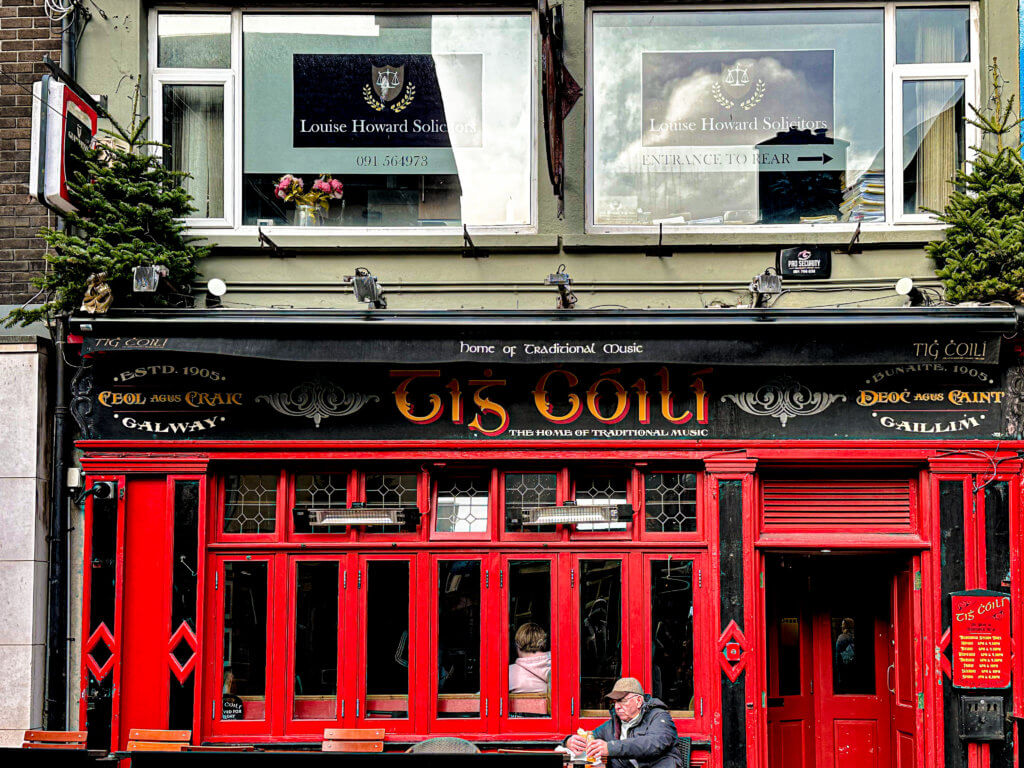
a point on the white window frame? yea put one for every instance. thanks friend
(161, 76)
(231, 225)
(893, 77)
(966, 72)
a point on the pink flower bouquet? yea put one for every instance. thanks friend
(292, 189)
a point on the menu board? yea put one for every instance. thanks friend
(981, 639)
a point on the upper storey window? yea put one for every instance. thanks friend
(802, 117)
(356, 121)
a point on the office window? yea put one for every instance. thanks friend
(776, 116)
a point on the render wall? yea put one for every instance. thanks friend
(24, 463)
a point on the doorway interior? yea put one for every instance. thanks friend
(840, 666)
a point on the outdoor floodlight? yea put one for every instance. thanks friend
(146, 278)
(366, 289)
(561, 280)
(215, 289)
(905, 287)
(768, 283)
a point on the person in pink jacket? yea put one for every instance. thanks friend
(531, 672)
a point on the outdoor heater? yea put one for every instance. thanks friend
(360, 514)
(573, 514)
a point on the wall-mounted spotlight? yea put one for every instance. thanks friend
(366, 289)
(561, 280)
(146, 278)
(764, 285)
(215, 289)
(905, 287)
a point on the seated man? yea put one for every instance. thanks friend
(639, 734)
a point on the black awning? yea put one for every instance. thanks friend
(701, 337)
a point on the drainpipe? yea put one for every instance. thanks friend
(55, 697)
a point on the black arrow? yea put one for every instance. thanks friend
(822, 157)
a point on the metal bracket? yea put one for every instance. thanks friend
(853, 247)
(276, 250)
(469, 249)
(660, 251)
(100, 106)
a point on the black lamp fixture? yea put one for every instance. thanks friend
(366, 289)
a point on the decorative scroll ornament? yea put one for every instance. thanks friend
(82, 386)
(1013, 403)
(783, 398)
(317, 400)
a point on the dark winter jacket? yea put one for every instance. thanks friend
(651, 742)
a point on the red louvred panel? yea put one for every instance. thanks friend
(841, 505)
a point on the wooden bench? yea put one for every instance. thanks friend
(353, 740)
(149, 740)
(54, 740)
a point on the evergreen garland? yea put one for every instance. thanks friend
(130, 210)
(982, 255)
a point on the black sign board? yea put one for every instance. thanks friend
(384, 100)
(805, 262)
(193, 397)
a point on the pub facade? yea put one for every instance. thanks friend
(732, 462)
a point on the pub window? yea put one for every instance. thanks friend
(319, 491)
(600, 633)
(462, 504)
(244, 681)
(315, 681)
(458, 638)
(387, 639)
(250, 503)
(777, 116)
(528, 489)
(670, 502)
(390, 489)
(351, 120)
(530, 632)
(600, 489)
(672, 634)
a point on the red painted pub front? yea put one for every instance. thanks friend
(802, 535)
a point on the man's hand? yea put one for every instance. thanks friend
(597, 748)
(576, 743)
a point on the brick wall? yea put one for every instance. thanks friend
(26, 35)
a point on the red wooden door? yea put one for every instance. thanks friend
(790, 677)
(851, 648)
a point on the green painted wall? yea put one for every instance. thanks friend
(431, 272)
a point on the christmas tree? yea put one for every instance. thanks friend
(130, 210)
(982, 255)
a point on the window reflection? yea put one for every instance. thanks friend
(529, 622)
(853, 655)
(245, 641)
(387, 639)
(458, 638)
(600, 632)
(672, 634)
(462, 505)
(316, 640)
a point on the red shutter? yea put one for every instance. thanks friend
(838, 505)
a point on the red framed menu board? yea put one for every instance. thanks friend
(981, 639)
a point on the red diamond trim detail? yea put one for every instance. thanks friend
(182, 671)
(944, 663)
(100, 633)
(732, 635)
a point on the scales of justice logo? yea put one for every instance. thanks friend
(739, 84)
(387, 83)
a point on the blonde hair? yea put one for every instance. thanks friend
(531, 637)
